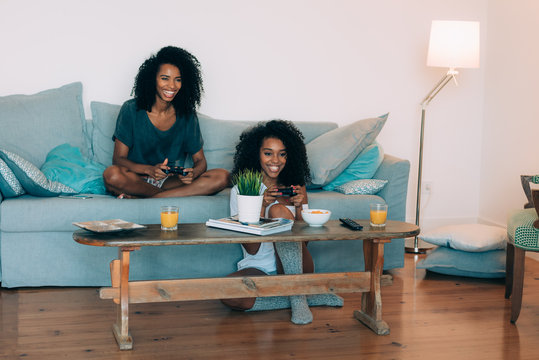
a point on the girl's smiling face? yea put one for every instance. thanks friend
(272, 157)
(168, 82)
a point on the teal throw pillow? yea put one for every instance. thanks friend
(9, 185)
(364, 166)
(486, 264)
(65, 164)
(331, 153)
(362, 187)
(31, 178)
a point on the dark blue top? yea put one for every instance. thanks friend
(148, 145)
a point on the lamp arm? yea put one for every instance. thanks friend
(438, 87)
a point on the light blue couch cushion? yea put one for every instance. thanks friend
(443, 260)
(364, 166)
(330, 153)
(31, 125)
(104, 117)
(9, 185)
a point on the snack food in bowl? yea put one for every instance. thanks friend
(315, 217)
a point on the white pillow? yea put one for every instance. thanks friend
(468, 237)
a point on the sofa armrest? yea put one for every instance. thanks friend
(397, 172)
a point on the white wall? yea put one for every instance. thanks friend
(317, 60)
(511, 123)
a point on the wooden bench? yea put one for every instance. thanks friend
(368, 282)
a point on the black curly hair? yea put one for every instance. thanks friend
(188, 98)
(296, 170)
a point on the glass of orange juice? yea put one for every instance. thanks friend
(378, 215)
(169, 218)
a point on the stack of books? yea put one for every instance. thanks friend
(263, 227)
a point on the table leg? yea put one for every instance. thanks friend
(371, 302)
(121, 327)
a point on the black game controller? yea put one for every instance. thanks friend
(289, 191)
(176, 170)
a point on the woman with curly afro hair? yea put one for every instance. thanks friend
(158, 129)
(276, 148)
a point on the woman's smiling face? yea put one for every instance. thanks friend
(168, 82)
(272, 157)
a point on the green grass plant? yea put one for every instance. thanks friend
(248, 182)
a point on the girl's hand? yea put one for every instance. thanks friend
(298, 200)
(187, 179)
(270, 196)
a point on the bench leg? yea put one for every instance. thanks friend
(509, 261)
(371, 302)
(121, 327)
(518, 283)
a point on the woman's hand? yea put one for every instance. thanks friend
(157, 171)
(187, 179)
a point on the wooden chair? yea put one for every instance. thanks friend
(522, 236)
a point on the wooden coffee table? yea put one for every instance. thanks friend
(369, 282)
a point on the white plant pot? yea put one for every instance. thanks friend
(249, 208)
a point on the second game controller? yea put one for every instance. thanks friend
(289, 191)
(176, 170)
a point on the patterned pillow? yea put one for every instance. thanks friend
(9, 185)
(362, 187)
(31, 178)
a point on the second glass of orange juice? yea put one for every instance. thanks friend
(378, 215)
(169, 218)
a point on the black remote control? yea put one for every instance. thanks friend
(351, 224)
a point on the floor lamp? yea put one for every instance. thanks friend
(452, 44)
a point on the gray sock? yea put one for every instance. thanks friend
(291, 255)
(325, 300)
(283, 302)
(271, 303)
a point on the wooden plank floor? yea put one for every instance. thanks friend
(431, 317)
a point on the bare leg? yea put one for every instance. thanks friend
(119, 180)
(242, 303)
(208, 183)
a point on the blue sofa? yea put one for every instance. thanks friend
(36, 245)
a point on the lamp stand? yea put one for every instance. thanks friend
(415, 248)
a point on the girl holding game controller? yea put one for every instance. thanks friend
(275, 148)
(158, 129)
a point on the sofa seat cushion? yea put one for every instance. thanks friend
(31, 125)
(27, 213)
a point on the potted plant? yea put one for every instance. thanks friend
(248, 183)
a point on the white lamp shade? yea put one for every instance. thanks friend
(454, 44)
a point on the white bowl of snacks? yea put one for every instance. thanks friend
(315, 217)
